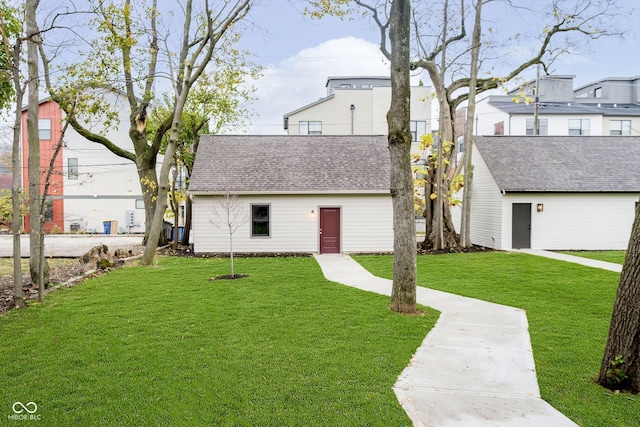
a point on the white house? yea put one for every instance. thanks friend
(607, 107)
(90, 184)
(574, 193)
(358, 106)
(296, 194)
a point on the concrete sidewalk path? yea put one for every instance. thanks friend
(70, 245)
(474, 369)
(595, 263)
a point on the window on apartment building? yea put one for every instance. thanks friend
(597, 92)
(311, 128)
(260, 221)
(620, 127)
(498, 128)
(543, 126)
(48, 210)
(418, 128)
(139, 204)
(72, 168)
(44, 129)
(578, 126)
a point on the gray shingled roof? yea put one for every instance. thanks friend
(563, 163)
(575, 108)
(291, 164)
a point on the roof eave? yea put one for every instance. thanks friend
(289, 193)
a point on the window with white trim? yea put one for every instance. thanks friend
(44, 129)
(578, 126)
(72, 168)
(310, 128)
(418, 128)
(260, 224)
(543, 126)
(620, 127)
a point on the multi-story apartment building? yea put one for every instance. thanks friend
(358, 106)
(89, 184)
(609, 106)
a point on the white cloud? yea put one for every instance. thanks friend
(300, 79)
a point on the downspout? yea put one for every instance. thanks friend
(510, 114)
(353, 107)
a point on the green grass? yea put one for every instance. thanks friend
(164, 345)
(6, 264)
(609, 256)
(568, 307)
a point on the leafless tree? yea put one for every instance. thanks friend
(229, 214)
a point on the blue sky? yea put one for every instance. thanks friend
(300, 53)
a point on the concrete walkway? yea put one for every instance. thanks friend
(611, 266)
(475, 368)
(69, 245)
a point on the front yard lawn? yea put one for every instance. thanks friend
(568, 307)
(164, 345)
(609, 256)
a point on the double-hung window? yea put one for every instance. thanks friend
(418, 128)
(260, 224)
(578, 126)
(72, 168)
(311, 128)
(543, 126)
(620, 127)
(44, 129)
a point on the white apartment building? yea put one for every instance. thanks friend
(609, 106)
(90, 185)
(358, 106)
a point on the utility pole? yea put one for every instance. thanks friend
(536, 104)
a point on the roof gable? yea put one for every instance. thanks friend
(563, 163)
(290, 164)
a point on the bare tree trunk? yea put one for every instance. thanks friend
(403, 295)
(175, 207)
(188, 209)
(465, 228)
(233, 271)
(189, 71)
(35, 214)
(620, 369)
(16, 200)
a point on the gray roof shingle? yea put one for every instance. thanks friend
(575, 108)
(291, 164)
(563, 163)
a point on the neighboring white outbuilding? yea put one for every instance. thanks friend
(562, 192)
(296, 194)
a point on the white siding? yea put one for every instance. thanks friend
(575, 221)
(369, 113)
(487, 116)
(107, 185)
(486, 213)
(366, 224)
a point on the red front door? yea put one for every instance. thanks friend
(329, 230)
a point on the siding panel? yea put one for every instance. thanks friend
(486, 213)
(366, 224)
